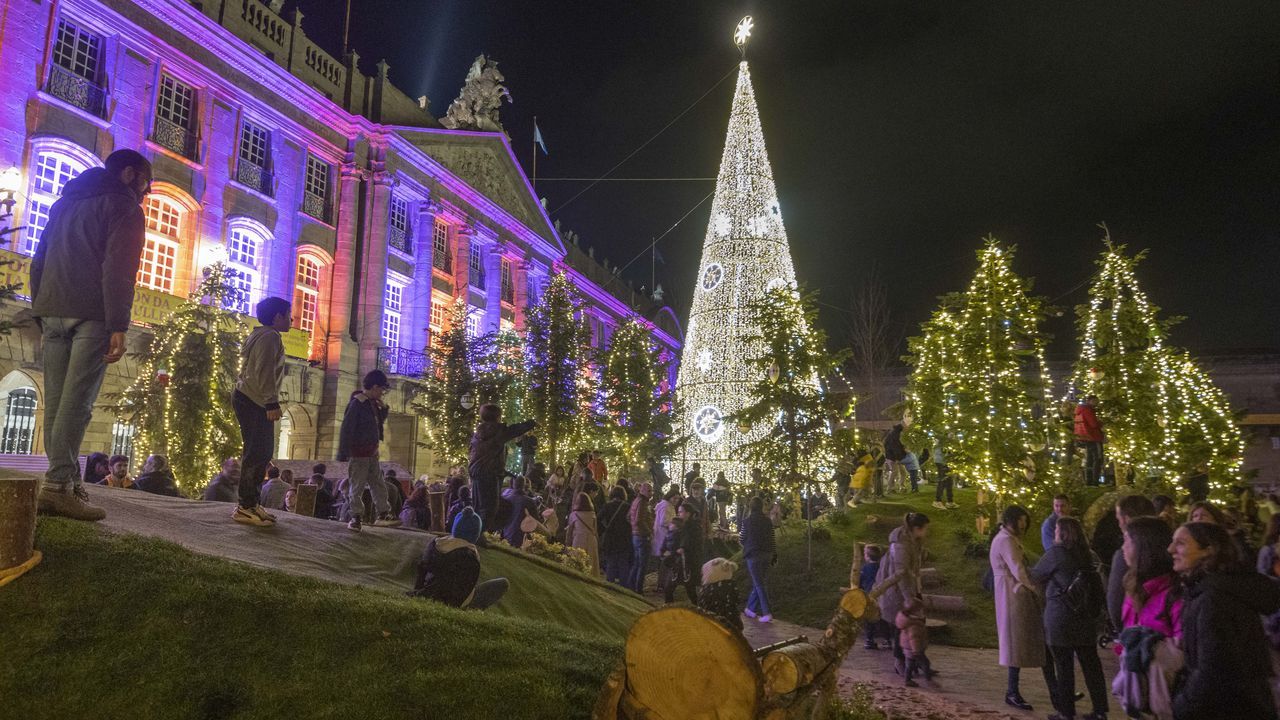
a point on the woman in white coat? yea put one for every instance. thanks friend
(1019, 606)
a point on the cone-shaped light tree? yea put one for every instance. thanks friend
(978, 385)
(1163, 415)
(180, 403)
(559, 386)
(745, 254)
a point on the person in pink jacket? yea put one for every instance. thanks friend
(1153, 591)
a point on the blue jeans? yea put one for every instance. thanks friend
(758, 599)
(639, 562)
(74, 354)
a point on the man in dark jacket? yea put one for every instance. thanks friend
(759, 552)
(450, 568)
(225, 486)
(615, 537)
(358, 441)
(488, 458)
(82, 280)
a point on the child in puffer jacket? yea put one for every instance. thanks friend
(914, 638)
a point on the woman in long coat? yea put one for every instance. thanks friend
(581, 530)
(1018, 604)
(900, 572)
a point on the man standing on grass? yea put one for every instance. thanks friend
(82, 280)
(256, 401)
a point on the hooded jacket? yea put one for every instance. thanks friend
(361, 427)
(488, 447)
(1228, 664)
(448, 571)
(86, 263)
(1087, 428)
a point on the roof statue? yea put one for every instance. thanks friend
(477, 105)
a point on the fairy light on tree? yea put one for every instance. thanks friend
(979, 386)
(558, 387)
(1163, 414)
(637, 404)
(744, 254)
(180, 402)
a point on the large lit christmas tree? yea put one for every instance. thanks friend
(979, 387)
(634, 394)
(745, 253)
(1164, 416)
(558, 380)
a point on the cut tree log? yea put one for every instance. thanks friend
(791, 667)
(949, 604)
(17, 524)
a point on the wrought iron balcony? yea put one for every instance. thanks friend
(443, 261)
(476, 279)
(175, 137)
(253, 176)
(398, 239)
(77, 90)
(402, 361)
(315, 206)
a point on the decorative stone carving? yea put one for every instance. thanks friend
(477, 105)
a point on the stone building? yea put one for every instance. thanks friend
(309, 179)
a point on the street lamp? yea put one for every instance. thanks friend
(467, 401)
(10, 184)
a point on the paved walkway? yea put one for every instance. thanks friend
(970, 683)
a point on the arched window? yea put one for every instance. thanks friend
(19, 430)
(50, 171)
(245, 241)
(165, 218)
(306, 293)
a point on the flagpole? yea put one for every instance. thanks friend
(535, 157)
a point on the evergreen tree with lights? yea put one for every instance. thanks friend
(559, 387)
(635, 398)
(180, 403)
(979, 387)
(457, 381)
(789, 416)
(744, 255)
(1164, 416)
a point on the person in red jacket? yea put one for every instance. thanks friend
(1089, 435)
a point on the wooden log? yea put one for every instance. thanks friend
(606, 707)
(304, 500)
(855, 567)
(435, 502)
(662, 648)
(945, 603)
(792, 667)
(17, 524)
(810, 701)
(931, 578)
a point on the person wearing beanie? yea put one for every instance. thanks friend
(449, 571)
(718, 595)
(358, 439)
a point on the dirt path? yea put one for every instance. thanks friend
(970, 683)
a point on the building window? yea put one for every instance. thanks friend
(255, 156)
(475, 262)
(473, 320)
(398, 229)
(440, 256)
(49, 174)
(175, 116)
(160, 251)
(243, 243)
(437, 316)
(122, 438)
(19, 422)
(315, 196)
(306, 293)
(508, 287)
(392, 304)
(73, 76)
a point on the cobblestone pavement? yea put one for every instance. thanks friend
(970, 683)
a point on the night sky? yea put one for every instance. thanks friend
(900, 134)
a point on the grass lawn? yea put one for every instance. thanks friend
(809, 599)
(122, 626)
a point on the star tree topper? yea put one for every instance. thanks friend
(742, 34)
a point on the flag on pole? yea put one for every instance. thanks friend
(537, 137)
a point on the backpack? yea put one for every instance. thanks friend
(1084, 594)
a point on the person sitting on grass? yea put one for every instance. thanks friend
(119, 476)
(719, 593)
(449, 571)
(461, 502)
(96, 469)
(273, 490)
(157, 478)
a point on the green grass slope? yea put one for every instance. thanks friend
(113, 626)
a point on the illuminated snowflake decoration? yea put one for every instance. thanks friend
(708, 424)
(712, 277)
(720, 225)
(704, 360)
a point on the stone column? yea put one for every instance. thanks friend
(418, 317)
(332, 334)
(373, 273)
(464, 237)
(492, 288)
(520, 280)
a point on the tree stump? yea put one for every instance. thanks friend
(682, 664)
(17, 524)
(435, 501)
(304, 500)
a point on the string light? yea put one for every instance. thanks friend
(744, 254)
